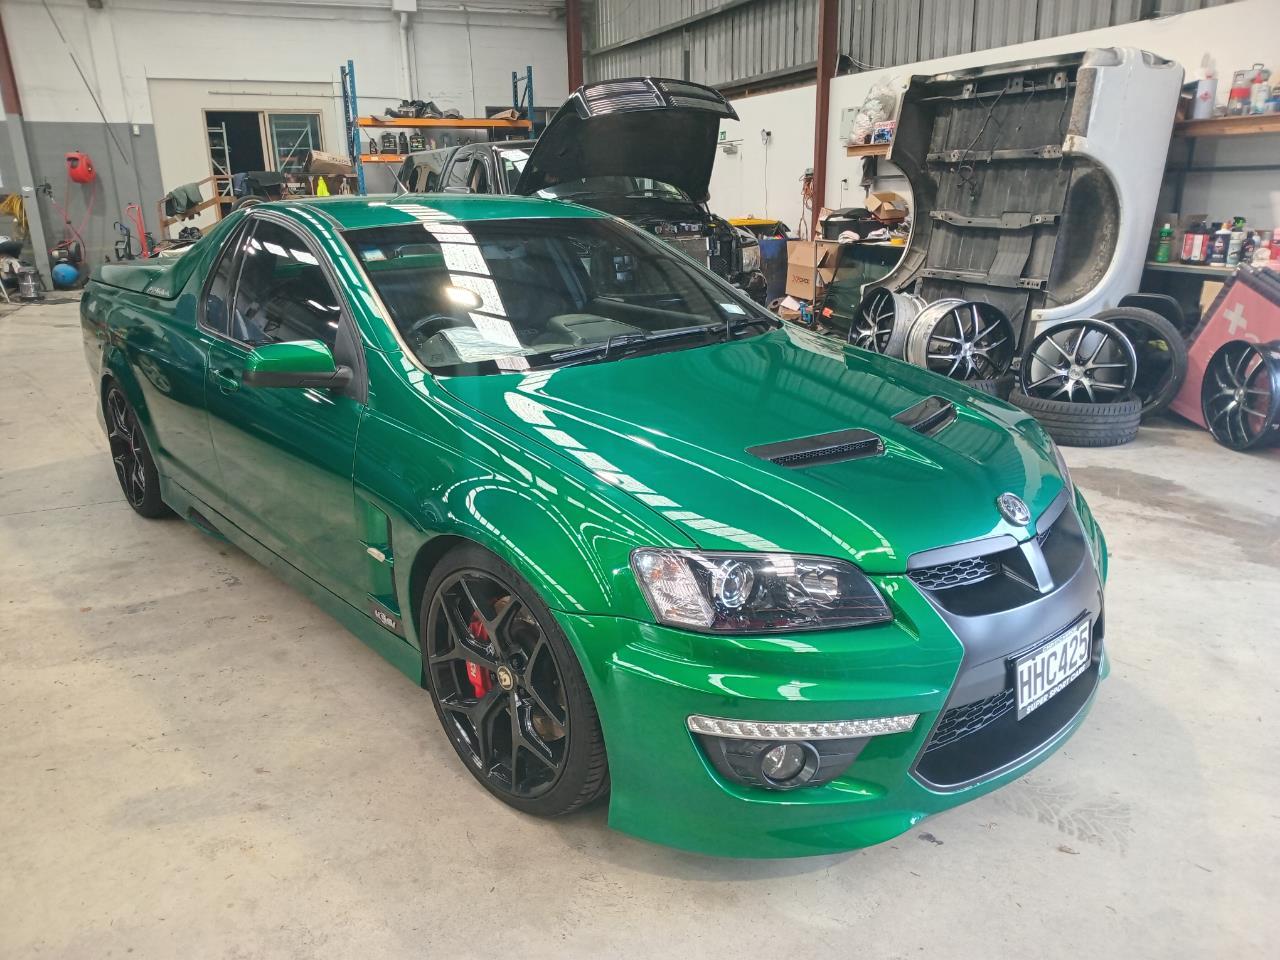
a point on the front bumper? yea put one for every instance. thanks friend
(647, 680)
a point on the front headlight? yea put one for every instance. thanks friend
(755, 592)
(750, 257)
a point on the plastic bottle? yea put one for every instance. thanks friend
(1241, 91)
(1260, 91)
(1218, 245)
(1195, 243)
(1262, 252)
(1236, 242)
(1165, 244)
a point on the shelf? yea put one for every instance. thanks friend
(472, 123)
(1255, 125)
(1208, 273)
(866, 149)
(382, 157)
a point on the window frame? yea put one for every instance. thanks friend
(348, 330)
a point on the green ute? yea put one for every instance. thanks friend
(634, 538)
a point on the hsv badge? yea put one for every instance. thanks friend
(1013, 509)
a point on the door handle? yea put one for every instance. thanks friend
(226, 380)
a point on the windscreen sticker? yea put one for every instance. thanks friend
(464, 258)
(474, 346)
(732, 308)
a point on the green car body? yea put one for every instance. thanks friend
(563, 473)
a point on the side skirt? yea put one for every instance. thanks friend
(402, 655)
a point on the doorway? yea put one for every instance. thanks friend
(236, 145)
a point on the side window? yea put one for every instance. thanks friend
(479, 181)
(217, 298)
(283, 293)
(458, 174)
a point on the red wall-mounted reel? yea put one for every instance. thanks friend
(80, 167)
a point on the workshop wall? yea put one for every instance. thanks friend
(282, 55)
(766, 182)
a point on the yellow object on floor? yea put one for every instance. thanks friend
(322, 188)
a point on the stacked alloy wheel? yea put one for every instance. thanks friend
(1240, 394)
(964, 340)
(1077, 379)
(883, 319)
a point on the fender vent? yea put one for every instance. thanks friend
(929, 416)
(835, 447)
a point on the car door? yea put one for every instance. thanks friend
(285, 454)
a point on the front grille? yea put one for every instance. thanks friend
(961, 721)
(946, 575)
(991, 582)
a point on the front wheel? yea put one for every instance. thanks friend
(135, 467)
(508, 688)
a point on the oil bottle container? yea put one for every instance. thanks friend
(1219, 244)
(1195, 244)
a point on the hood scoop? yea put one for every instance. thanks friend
(825, 448)
(928, 417)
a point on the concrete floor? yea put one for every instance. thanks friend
(195, 761)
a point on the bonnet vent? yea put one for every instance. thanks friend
(835, 447)
(929, 416)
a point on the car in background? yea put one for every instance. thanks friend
(641, 149)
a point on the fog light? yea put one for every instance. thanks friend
(788, 764)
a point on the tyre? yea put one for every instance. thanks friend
(997, 387)
(135, 467)
(1083, 424)
(1240, 395)
(508, 688)
(1161, 352)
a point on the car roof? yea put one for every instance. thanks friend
(354, 213)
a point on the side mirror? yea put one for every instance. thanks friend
(297, 363)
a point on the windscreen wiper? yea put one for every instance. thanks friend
(600, 351)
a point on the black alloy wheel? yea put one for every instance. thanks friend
(969, 340)
(1079, 361)
(1240, 394)
(135, 468)
(507, 688)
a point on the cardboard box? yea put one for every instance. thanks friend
(328, 163)
(811, 265)
(888, 208)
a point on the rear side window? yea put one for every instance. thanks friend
(458, 173)
(217, 298)
(283, 293)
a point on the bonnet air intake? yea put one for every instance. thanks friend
(929, 416)
(835, 447)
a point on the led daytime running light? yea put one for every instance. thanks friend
(832, 730)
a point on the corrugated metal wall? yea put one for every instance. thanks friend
(729, 42)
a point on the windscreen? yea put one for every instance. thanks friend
(484, 297)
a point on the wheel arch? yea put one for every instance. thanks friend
(425, 560)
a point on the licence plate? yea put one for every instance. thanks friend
(1047, 669)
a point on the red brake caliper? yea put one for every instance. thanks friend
(481, 682)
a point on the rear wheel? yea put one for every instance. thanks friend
(135, 467)
(508, 688)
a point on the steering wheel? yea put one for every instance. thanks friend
(433, 323)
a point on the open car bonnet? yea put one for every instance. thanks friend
(664, 130)
(784, 441)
